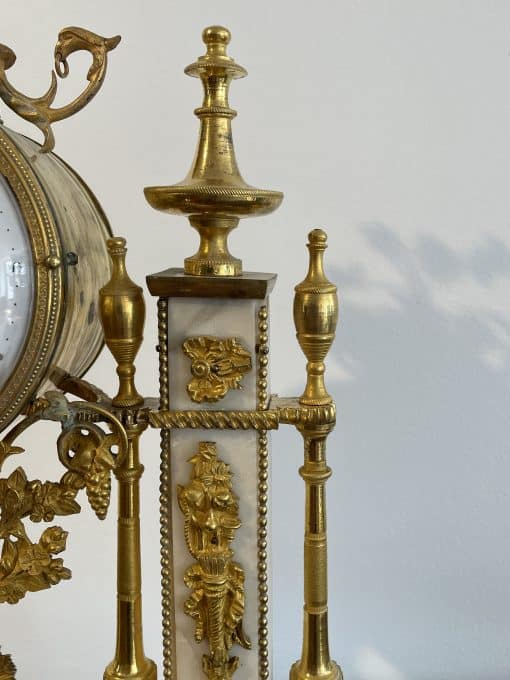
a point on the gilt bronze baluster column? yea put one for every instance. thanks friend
(122, 311)
(315, 317)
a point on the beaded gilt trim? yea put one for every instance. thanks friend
(167, 595)
(262, 496)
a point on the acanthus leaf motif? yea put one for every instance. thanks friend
(217, 365)
(86, 452)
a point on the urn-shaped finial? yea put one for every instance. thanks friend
(214, 195)
(122, 311)
(315, 318)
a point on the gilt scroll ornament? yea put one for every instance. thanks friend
(38, 110)
(217, 366)
(216, 603)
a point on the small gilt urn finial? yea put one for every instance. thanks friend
(315, 318)
(214, 195)
(122, 312)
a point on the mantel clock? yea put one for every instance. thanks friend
(215, 409)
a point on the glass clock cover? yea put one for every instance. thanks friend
(16, 282)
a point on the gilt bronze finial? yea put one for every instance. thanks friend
(214, 195)
(122, 311)
(315, 318)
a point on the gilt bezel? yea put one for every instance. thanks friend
(47, 307)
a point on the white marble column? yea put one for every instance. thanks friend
(246, 320)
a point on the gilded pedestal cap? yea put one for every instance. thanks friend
(213, 195)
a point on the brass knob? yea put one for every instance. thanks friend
(52, 262)
(216, 38)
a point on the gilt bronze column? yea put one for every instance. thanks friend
(122, 311)
(315, 317)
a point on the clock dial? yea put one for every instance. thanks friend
(16, 282)
(53, 260)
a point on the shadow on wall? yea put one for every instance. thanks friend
(419, 509)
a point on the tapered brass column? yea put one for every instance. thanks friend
(315, 317)
(122, 311)
(130, 660)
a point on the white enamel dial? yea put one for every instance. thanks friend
(16, 282)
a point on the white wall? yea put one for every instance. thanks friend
(386, 122)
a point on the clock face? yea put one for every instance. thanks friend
(16, 282)
(53, 260)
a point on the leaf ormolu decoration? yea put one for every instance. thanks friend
(86, 451)
(216, 603)
(26, 566)
(217, 365)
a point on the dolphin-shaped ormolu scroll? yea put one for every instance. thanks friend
(37, 110)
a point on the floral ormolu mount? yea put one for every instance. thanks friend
(211, 517)
(217, 366)
(89, 455)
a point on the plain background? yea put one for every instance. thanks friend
(386, 123)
